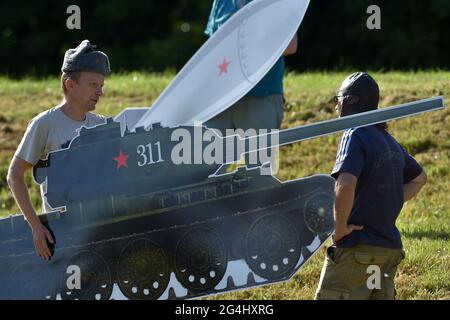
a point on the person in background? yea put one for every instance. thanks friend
(263, 106)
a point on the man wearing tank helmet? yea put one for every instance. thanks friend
(83, 73)
(374, 177)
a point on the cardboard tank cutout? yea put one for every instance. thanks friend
(144, 211)
(136, 224)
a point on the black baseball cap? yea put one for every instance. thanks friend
(363, 86)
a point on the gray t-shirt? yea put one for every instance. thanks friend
(49, 131)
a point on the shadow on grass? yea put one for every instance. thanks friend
(418, 146)
(430, 234)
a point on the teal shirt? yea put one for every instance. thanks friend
(272, 83)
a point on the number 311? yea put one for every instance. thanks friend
(147, 155)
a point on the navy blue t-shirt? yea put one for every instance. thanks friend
(382, 166)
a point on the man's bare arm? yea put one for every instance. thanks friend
(292, 47)
(19, 189)
(344, 196)
(412, 188)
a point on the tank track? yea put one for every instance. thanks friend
(246, 249)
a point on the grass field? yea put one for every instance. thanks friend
(424, 221)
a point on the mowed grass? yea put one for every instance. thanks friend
(424, 221)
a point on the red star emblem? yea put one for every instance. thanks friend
(121, 160)
(224, 66)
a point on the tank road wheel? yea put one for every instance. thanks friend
(95, 281)
(272, 246)
(318, 213)
(143, 270)
(200, 259)
(32, 281)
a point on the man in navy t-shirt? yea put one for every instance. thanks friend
(374, 177)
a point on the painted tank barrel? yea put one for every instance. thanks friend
(100, 162)
(310, 131)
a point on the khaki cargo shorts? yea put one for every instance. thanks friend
(359, 273)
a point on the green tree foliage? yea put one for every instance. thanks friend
(155, 35)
